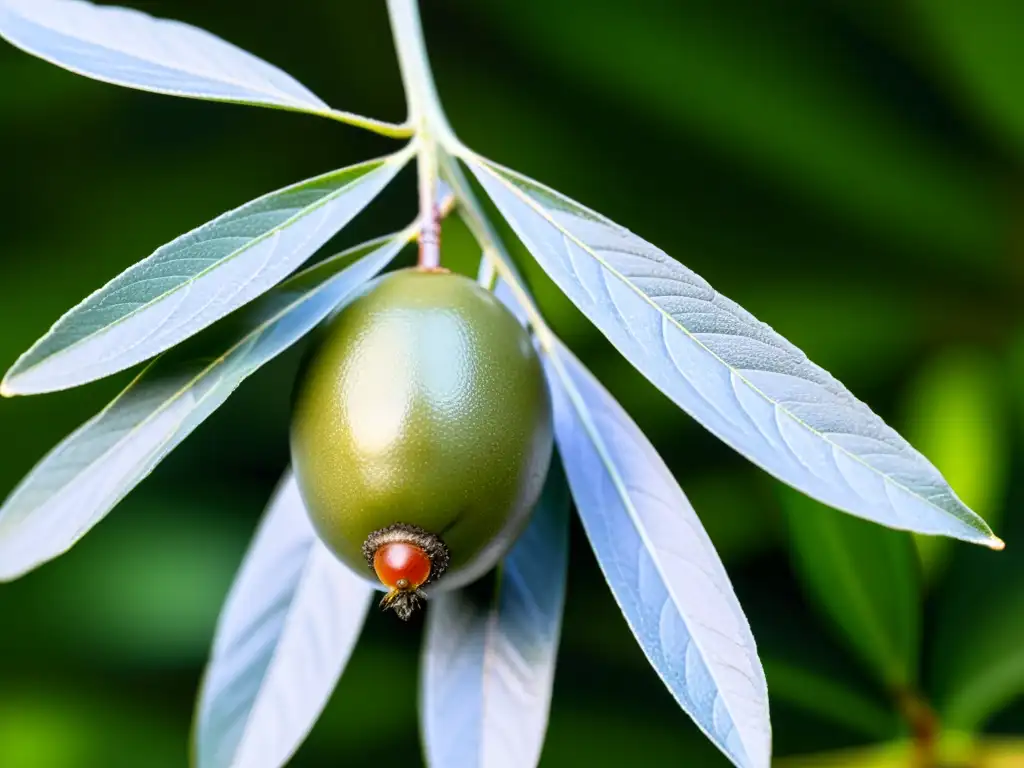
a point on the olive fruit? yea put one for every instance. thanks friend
(421, 432)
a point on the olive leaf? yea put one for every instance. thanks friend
(196, 279)
(876, 609)
(488, 664)
(130, 48)
(660, 564)
(81, 480)
(734, 374)
(956, 412)
(285, 634)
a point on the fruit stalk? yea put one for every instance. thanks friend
(430, 215)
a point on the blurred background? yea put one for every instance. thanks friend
(851, 171)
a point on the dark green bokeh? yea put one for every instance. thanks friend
(848, 170)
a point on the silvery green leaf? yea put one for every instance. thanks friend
(130, 48)
(660, 564)
(286, 632)
(956, 411)
(502, 291)
(734, 374)
(81, 480)
(489, 660)
(196, 279)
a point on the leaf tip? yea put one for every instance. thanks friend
(12, 383)
(6, 390)
(995, 543)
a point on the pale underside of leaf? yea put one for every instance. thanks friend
(84, 477)
(126, 47)
(734, 374)
(196, 279)
(661, 565)
(488, 665)
(286, 632)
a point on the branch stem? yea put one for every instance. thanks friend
(426, 117)
(437, 145)
(430, 232)
(425, 112)
(380, 127)
(493, 248)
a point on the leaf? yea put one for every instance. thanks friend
(489, 664)
(130, 48)
(661, 565)
(81, 480)
(741, 380)
(196, 279)
(287, 630)
(865, 580)
(956, 412)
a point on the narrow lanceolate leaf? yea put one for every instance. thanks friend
(661, 565)
(956, 412)
(284, 637)
(82, 479)
(127, 47)
(866, 581)
(734, 374)
(197, 279)
(489, 662)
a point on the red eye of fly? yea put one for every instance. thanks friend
(400, 565)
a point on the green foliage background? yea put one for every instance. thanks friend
(849, 170)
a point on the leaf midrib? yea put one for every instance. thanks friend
(308, 568)
(17, 371)
(992, 540)
(621, 487)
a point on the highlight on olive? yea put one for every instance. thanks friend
(421, 433)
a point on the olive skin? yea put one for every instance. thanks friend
(423, 403)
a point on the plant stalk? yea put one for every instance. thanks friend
(427, 119)
(494, 249)
(430, 232)
(437, 147)
(425, 112)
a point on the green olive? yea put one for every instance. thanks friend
(423, 408)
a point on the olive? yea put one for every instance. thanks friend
(421, 433)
